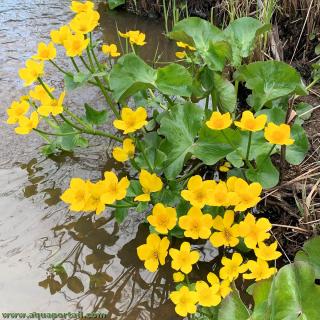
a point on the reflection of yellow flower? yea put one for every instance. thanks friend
(85, 22)
(181, 54)
(248, 194)
(224, 286)
(196, 224)
(267, 253)
(53, 106)
(185, 46)
(124, 153)
(111, 50)
(178, 276)
(163, 218)
(94, 201)
(75, 44)
(76, 195)
(45, 52)
(228, 235)
(77, 6)
(32, 71)
(113, 188)
(150, 183)
(184, 258)
(153, 252)
(254, 231)
(61, 35)
(219, 121)
(259, 270)
(135, 37)
(185, 301)
(250, 123)
(198, 192)
(232, 267)
(26, 125)
(278, 134)
(39, 93)
(208, 296)
(16, 111)
(131, 120)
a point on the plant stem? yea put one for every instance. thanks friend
(144, 154)
(59, 68)
(85, 64)
(75, 64)
(190, 173)
(312, 83)
(90, 58)
(55, 134)
(269, 153)
(248, 147)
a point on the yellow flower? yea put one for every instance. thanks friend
(185, 46)
(224, 286)
(45, 52)
(131, 120)
(124, 153)
(259, 270)
(219, 121)
(77, 194)
(61, 35)
(178, 276)
(39, 93)
(198, 192)
(163, 218)
(181, 54)
(184, 258)
(150, 183)
(232, 267)
(248, 194)
(153, 252)
(111, 50)
(278, 134)
(185, 301)
(27, 124)
(75, 44)
(228, 235)
(94, 202)
(196, 224)
(77, 6)
(135, 37)
(208, 296)
(16, 111)
(254, 232)
(85, 22)
(249, 123)
(225, 167)
(53, 106)
(32, 71)
(221, 196)
(113, 188)
(267, 253)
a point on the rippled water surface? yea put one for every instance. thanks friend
(52, 260)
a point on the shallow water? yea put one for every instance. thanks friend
(52, 260)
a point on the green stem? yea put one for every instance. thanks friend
(121, 206)
(74, 64)
(45, 88)
(90, 58)
(85, 64)
(55, 134)
(59, 68)
(140, 147)
(248, 147)
(269, 153)
(42, 136)
(190, 173)
(168, 99)
(236, 87)
(312, 83)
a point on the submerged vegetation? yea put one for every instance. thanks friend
(200, 157)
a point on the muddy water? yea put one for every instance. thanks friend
(52, 260)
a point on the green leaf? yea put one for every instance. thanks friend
(317, 49)
(179, 126)
(224, 93)
(75, 284)
(81, 77)
(213, 145)
(115, 3)
(265, 172)
(242, 34)
(296, 152)
(310, 254)
(304, 110)
(121, 213)
(95, 116)
(294, 295)
(134, 188)
(207, 39)
(129, 75)
(70, 84)
(275, 115)
(270, 80)
(71, 141)
(174, 79)
(235, 158)
(232, 307)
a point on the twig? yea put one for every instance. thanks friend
(290, 227)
